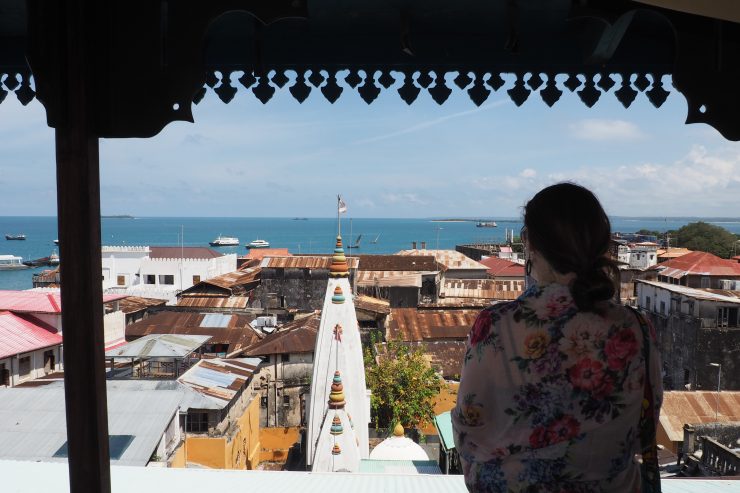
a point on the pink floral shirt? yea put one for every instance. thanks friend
(550, 397)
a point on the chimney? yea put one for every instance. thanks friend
(413, 245)
(423, 245)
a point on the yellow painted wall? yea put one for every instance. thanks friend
(207, 451)
(178, 459)
(444, 401)
(276, 442)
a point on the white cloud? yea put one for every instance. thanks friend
(528, 173)
(605, 130)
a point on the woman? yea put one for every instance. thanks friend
(553, 382)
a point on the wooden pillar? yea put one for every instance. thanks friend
(78, 209)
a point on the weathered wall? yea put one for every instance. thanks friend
(293, 380)
(242, 448)
(206, 451)
(178, 459)
(276, 442)
(301, 288)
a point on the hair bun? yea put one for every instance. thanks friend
(592, 286)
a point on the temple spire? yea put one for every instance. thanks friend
(339, 267)
(336, 396)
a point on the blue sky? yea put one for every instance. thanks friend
(388, 159)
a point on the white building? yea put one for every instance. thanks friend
(643, 255)
(161, 272)
(29, 349)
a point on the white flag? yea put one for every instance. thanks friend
(342, 206)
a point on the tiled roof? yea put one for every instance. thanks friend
(411, 324)
(699, 263)
(449, 259)
(183, 252)
(38, 301)
(680, 408)
(22, 334)
(398, 263)
(499, 267)
(298, 336)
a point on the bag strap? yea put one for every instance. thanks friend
(648, 445)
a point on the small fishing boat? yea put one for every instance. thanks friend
(56, 242)
(224, 241)
(356, 244)
(258, 244)
(11, 262)
(486, 224)
(15, 237)
(376, 239)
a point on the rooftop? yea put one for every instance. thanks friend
(231, 281)
(680, 407)
(499, 267)
(443, 423)
(47, 301)
(449, 259)
(38, 416)
(387, 278)
(371, 304)
(698, 263)
(200, 253)
(219, 380)
(159, 346)
(132, 304)
(444, 356)
(298, 336)
(260, 253)
(667, 253)
(398, 262)
(22, 334)
(412, 324)
(699, 294)
(304, 262)
(486, 289)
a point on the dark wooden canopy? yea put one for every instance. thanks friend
(127, 68)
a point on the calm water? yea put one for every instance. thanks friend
(309, 236)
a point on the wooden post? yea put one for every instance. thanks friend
(78, 210)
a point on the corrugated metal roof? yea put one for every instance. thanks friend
(680, 408)
(411, 324)
(219, 380)
(238, 333)
(47, 301)
(398, 262)
(699, 294)
(370, 304)
(132, 304)
(488, 289)
(22, 334)
(53, 477)
(159, 346)
(215, 302)
(399, 466)
(201, 253)
(33, 424)
(446, 357)
(672, 252)
(260, 253)
(443, 423)
(450, 259)
(699, 263)
(386, 278)
(501, 267)
(298, 336)
(237, 282)
(304, 262)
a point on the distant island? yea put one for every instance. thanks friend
(118, 216)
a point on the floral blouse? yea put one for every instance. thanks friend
(550, 397)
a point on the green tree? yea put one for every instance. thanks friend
(706, 238)
(402, 384)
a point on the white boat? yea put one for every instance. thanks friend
(56, 242)
(225, 241)
(11, 262)
(486, 224)
(258, 244)
(54, 258)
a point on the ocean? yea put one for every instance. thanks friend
(312, 235)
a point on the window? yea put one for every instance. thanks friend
(705, 282)
(150, 279)
(197, 422)
(286, 401)
(121, 280)
(727, 317)
(285, 357)
(662, 307)
(166, 279)
(196, 279)
(263, 402)
(24, 366)
(648, 306)
(4, 375)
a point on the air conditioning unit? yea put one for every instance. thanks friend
(729, 284)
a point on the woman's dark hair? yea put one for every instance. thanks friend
(566, 224)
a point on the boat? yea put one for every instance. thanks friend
(258, 244)
(54, 258)
(225, 241)
(11, 262)
(56, 242)
(15, 237)
(376, 239)
(486, 224)
(356, 244)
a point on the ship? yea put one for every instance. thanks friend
(486, 224)
(225, 241)
(11, 262)
(15, 237)
(258, 244)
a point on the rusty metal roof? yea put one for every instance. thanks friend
(681, 407)
(398, 262)
(369, 278)
(218, 379)
(699, 294)
(132, 304)
(304, 262)
(698, 263)
(235, 330)
(215, 302)
(260, 253)
(444, 356)
(159, 346)
(231, 283)
(412, 324)
(488, 289)
(183, 252)
(370, 304)
(449, 259)
(664, 253)
(298, 336)
(501, 267)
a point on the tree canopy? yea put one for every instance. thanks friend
(707, 238)
(402, 384)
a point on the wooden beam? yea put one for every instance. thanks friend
(78, 210)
